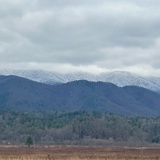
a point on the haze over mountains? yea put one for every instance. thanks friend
(22, 94)
(119, 78)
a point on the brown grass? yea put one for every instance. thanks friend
(79, 153)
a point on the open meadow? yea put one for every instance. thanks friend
(79, 153)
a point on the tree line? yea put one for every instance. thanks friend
(77, 127)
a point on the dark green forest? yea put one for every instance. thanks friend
(77, 128)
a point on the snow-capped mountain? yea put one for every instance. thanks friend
(119, 78)
(49, 77)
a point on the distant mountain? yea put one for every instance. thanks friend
(49, 77)
(23, 94)
(119, 78)
(122, 79)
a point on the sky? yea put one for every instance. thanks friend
(92, 36)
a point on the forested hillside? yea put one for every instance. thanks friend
(78, 127)
(25, 95)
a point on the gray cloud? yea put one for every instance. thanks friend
(106, 34)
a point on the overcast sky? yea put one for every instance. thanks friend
(80, 35)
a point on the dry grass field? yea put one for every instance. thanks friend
(79, 153)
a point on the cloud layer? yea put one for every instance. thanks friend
(87, 35)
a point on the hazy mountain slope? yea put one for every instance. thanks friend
(119, 78)
(22, 94)
(144, 96)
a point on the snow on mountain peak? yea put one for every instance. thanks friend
(120, 78)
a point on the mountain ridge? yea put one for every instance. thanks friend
(120, 78)
(22, 94)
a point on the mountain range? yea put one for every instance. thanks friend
(23, 94)
(119, 78)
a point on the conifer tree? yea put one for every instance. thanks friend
(29, 141)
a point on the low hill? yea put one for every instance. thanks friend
(22, 94)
